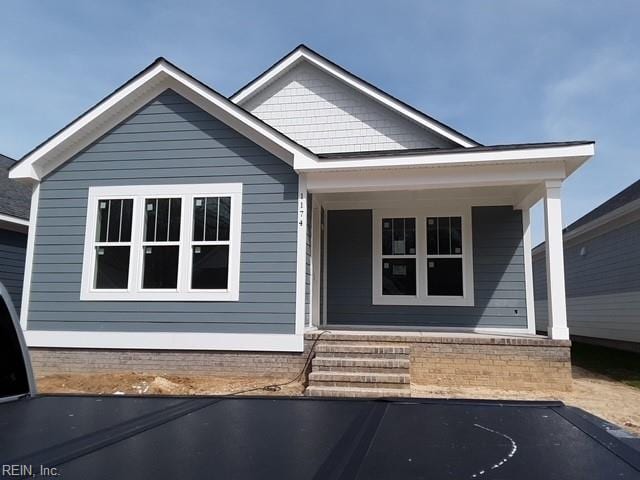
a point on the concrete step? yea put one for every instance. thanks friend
(341, 349)
(357, 392)
(354, 363)
(365, 380)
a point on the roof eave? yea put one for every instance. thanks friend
(572, 155)
(126, 99)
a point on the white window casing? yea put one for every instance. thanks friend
(422, 297)
(183, 292)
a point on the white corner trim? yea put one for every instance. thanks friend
(351, 80)
(131, 96)
(183, 292)
(166, 340)
(28, 267)
(301, 254)
(528, 271)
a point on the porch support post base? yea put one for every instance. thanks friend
(559, 333)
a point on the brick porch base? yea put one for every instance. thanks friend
(506, 362)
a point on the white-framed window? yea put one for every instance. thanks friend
(163, 242)
(422, 256)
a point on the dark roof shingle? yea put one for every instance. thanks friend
(628, 195)
(15, 198)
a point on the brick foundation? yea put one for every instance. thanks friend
(458, 360)
(49, 361)
(516, 363)
(528, 365)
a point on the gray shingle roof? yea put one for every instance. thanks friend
(628, 195)
(15, 198)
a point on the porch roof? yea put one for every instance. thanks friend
(528, 168)
(572, 155)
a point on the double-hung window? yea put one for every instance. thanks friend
(422, 257)
(399, 256)
(166, 242)
(210, 242)
(112, 246)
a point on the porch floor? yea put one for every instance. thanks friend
(408, 336)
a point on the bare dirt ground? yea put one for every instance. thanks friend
(136, 384)
(600, 395)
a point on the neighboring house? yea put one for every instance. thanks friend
(602, 271)
(175, 229)
(14, 225)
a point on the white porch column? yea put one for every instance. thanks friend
(555, 261)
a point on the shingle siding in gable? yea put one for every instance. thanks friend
(170, 141)
(325, 115)
(603, 285)
(13, 247)
(498, 275)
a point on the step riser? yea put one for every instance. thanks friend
(381, 356)
(322, 383)
(394, 377)
(325, 368)
(360, 362)
(355, 393)
(362, 349)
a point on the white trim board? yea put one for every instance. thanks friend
(302, 53)
(17, 221)
(28, 267)
(158, 77)
(301, 254)
(570, 156)
(421, 178)
(166, 340)
(528, 271)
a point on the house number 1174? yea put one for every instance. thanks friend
(301, 210)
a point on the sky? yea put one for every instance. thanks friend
(499, 71)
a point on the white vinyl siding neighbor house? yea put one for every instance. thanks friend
(171, 218)
(602, 268)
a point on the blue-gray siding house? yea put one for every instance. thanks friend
(14, 220)
(170, 217)
(602, 271)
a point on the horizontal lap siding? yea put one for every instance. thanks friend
(498, 275)
(13, 246)
(603, 285)
(170, 141)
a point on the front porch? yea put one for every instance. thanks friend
(375, 363)
(430, 260)
(419, 269)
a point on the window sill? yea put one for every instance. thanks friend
(162, 296)
(427, 301)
